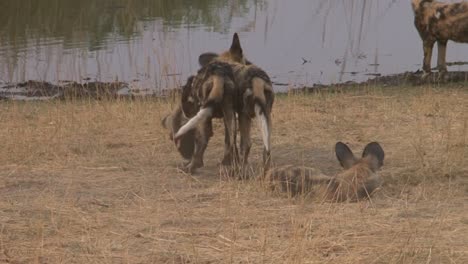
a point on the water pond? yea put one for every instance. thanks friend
(154, 44)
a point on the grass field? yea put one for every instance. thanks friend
(97, 182)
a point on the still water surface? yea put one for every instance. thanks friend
(154, 44)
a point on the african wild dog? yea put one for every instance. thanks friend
(253, 96)
(210, 82)
(210, 95)
(358, 180)
(174, 121)
(440, 22)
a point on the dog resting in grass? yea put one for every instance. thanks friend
(359, 179)
(439, 22)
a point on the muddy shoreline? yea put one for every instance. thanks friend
(39, 90)
(402, 79)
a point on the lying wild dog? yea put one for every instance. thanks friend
(440, 22)
(358, 180)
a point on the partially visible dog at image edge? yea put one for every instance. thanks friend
(439, 22)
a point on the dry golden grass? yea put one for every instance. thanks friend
(97, 182)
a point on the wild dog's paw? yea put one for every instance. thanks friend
(192, 166)
(425, 76)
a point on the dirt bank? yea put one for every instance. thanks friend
(39, 90)
(402, 79)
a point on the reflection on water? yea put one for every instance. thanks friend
(154, 44)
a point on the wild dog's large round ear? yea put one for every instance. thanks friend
(374, 149)
(236, 46)
(236, 49)
(344, 155)
(206, 58)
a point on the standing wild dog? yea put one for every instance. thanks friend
(256, 98)
(440, 22)
(358, 180)
(253, 97)
(192, 143)
(174, 121)
(211, 94)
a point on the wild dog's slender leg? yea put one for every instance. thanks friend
(203, 135)
(229, 134)
(427, 46)
(441, 53)
(266, 152)
(245, 142)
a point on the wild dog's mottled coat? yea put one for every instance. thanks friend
(255, 94)
(440, 22)
(252, 97)
(256, 100)
(211, 94)
(174, 121)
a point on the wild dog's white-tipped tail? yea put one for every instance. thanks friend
(264, 127)
(201, 116)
